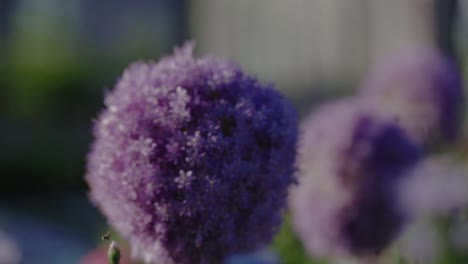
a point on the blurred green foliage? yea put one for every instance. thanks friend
(57, 59)
(289, 247)
(41, 56)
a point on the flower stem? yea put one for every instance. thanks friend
(113, 254)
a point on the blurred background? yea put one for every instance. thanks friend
(57, 59)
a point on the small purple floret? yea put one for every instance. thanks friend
(192, 159)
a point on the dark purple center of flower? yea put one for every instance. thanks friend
(373, 219)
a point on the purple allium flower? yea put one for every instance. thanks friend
(436, 186)
(423, 91)
(350, 163)
(192, 159)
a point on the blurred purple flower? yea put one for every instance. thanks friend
(423, 91)
(192, 159)
(350, 163)
(437, 186)
(10, 251)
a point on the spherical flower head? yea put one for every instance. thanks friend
(423, 91)
(349, 164)
(192, 159)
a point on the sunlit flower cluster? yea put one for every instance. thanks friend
(192, 159)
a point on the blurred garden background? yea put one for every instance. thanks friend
(58, 58)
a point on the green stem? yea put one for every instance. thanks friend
(113, 254)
